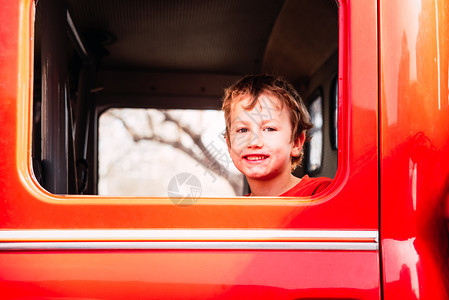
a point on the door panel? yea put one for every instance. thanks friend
(292, 259)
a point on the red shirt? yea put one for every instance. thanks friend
(308, 187)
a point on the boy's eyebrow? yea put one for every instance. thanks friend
(238, 120)
(263, 122)
(270, 120)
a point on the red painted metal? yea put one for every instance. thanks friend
(403, 156)
(191, 275)
(414, 40)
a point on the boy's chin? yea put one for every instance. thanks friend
(259, 174)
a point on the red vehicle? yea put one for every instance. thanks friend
(379, 232)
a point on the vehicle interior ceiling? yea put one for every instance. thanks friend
(182, 54)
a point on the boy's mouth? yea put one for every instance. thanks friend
(255, 157)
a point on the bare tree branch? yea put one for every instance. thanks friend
(209, 161)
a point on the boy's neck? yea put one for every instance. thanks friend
(272, 187)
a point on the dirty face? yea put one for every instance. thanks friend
(259, 140)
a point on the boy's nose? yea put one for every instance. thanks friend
(255, 141)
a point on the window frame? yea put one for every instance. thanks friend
(270, 210)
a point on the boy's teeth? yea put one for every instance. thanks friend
(254, 157)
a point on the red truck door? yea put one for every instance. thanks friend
(78, 246)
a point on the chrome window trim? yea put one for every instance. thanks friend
(188, 246)
(120, 234)
(198, 239)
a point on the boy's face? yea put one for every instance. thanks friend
(259, 140)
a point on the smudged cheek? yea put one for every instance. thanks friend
(280, 160)
(236, 159)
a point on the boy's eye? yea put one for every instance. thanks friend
(269, 129)
(242, 130)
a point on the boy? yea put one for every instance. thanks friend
(266, 125)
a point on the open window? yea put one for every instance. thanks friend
(113, 78)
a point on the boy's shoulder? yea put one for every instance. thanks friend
(308, 186)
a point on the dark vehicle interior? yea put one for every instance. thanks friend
(90, 56)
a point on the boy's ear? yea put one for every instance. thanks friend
(298, 143)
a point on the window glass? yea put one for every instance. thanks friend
(151, 152)
(334, 114)
(316, 133)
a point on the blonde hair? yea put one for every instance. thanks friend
(254, 86)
